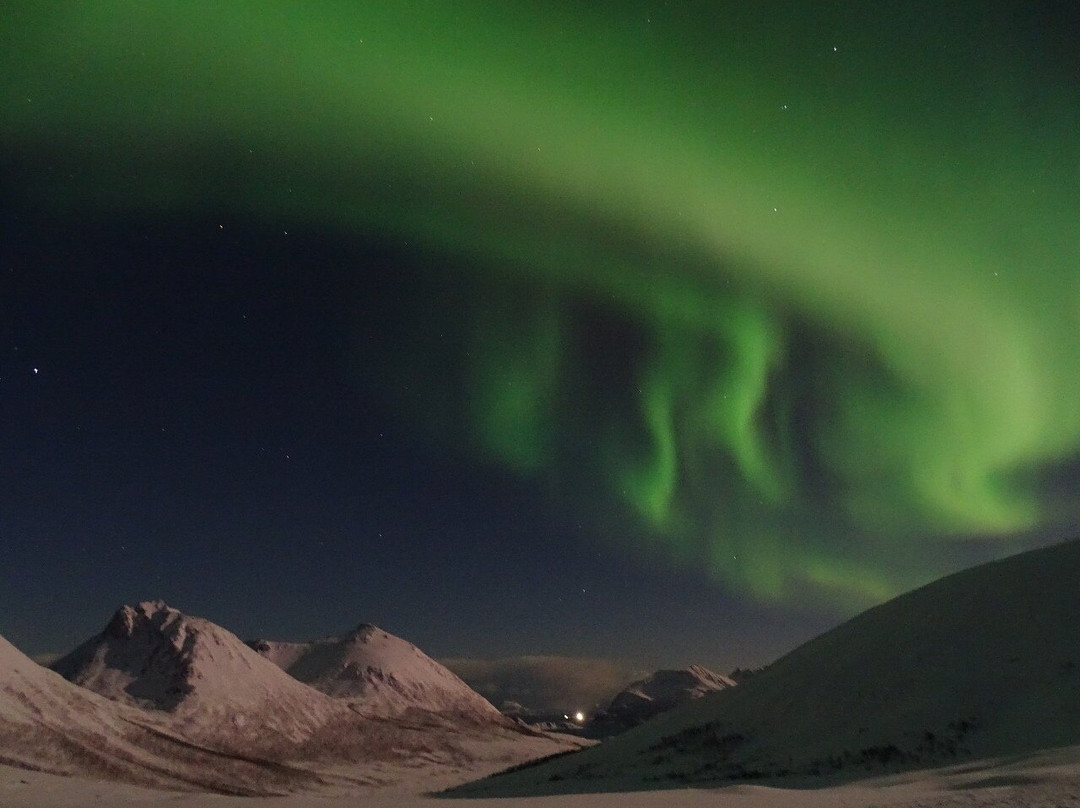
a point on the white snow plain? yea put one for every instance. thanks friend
(1045, 780)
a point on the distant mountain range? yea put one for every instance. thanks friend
(635, 703)
(984, 662)
(657, 693)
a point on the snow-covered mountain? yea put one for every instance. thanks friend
(656, 693)
(984, 662)
(49, 724)
(197, 685)
(217, 690)
(378, 673)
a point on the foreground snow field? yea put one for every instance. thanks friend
(1046, 780)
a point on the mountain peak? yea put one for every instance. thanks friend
(364, 632)
(127, 618)
(656, 693)
(376, 671)
(146, 655)
(154, 656)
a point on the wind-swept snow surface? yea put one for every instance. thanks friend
(1042, 781)
(984, 662)
(378, 673)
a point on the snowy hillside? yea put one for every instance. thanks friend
(51, 725)
(378, 673)
(983, 662)
(657, 693)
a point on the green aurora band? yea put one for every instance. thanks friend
(797, 289)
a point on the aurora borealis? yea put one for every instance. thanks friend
(787, 295)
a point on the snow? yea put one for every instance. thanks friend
(694, 682)
(51, 725)
(654, 694)
(217, 689)
(378, 673)
(982, 663)
(1046, 780)
(195, 684)
(965, 692)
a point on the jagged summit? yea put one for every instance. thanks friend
(154, 656)
(145, 656)
(127, 618)
(377, 672)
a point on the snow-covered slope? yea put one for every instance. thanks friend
(217, 690)
(49, 724)
(661, 691)
(983, 662)
(377, 673)
(198, 684)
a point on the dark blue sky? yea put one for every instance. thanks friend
(672, 332)
(188, 416)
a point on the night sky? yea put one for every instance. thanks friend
(667, 332)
